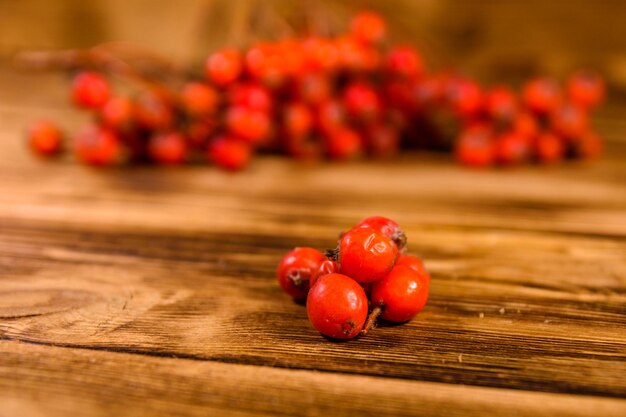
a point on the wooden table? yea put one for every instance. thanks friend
(147, 291)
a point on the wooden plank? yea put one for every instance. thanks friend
(40, 380)
(508, 309)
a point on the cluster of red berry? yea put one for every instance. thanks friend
(339, 97)
(368, 271)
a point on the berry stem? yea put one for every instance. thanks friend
(371, 320)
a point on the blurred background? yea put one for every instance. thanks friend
(505, 40)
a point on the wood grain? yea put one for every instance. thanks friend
(150, 291)
(164, 386)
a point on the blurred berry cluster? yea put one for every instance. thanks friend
(316, 97)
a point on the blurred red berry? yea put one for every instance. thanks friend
(90, 90)
(501, 103)
(548, 148)
(119, 114)
(199, 99)
(96, 145)
(296, 269)
(230, 152)
(264, 63)
(168, 148)
(343, 143)
(404, 61)
(154, 112)
(45, 138)
(512, 148)
(368, 27)
(321, 53)
(304, 147)
(362, 101)
(252, 96)
(569, 121)
(525, 124)
(198, 132)
(541, 95)
(475, 146)
(224, 66)
(313, 88)
(331, 115)
(297, 119)
(586, 89)
(251, 125)
(465, 97)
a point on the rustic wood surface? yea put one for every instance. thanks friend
(152, 291)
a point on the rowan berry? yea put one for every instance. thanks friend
(511, 148)
(297, 119)
(548, 148)
(224, 66)
(404, 61)
(475, 146)
(362, 101)
(541, 95)
(230, 152)
(368, 27)
(586, 89)
(45, 138)
(569, 121)
(365, 254)
(337, 306)
(90, 90)
(343, 144)
(296, 269)
(96, 145)
(501, 103)
(328, 266)
(168, 148)
(387, 227)
(199, 99)
(401, 294)
(251, 125)
(118, 113)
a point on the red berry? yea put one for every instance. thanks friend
(526, 124)
(296, 269)
(198, 132)
(404, 61)
(154, 112)
(199, 99)
(501, 103)
(366, 254)
(251, 125)
(368, 27)
(119, 114)
(96, 145)
(313, 88)
(343, 143)
(326, 267)
(252, 96)
(387, 227)
(548, 148)
(224, 67)
(570, 121)
(541, 95)
(90, 90)
(512, 148)
(297, 119)
(465, 97)
(362, 101)
(168, 148)
(230, 152)
(586, 89)
(331, 115)
(321, 53)
(45, 138)
(415, 264)
(264, 63)
(401, 294)
(337, 306)
(475, 147)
